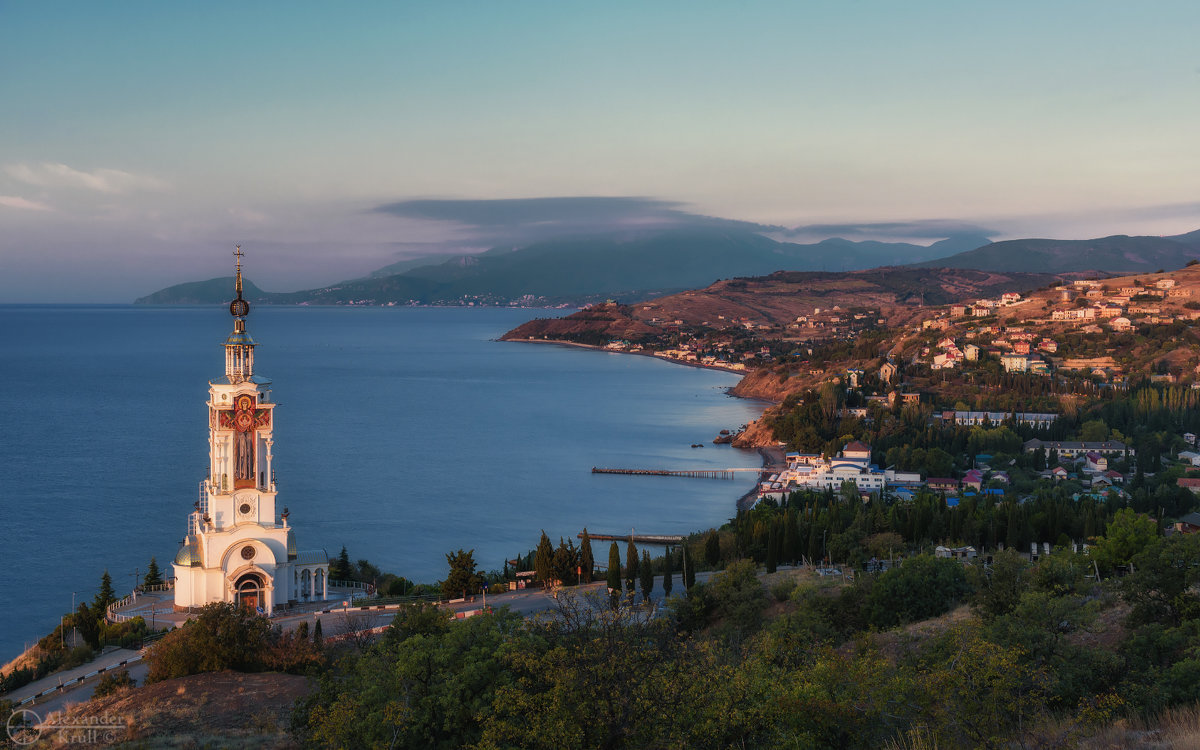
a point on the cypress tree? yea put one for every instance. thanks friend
(340, 570)
(153, 574)
(791, 538)
(689, 570)
(614, 569)
(667, 583)
(544, 559)
(318, 637)
(88, 623)
(646, 574)
(587, 564)
(772, 560)
(104, 597)
(712, 549)
(631, 566)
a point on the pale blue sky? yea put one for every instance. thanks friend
(138, 140)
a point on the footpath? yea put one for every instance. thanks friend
(110, 660)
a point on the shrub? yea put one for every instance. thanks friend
(738, 599)
(782, 590)
(922, 587)
(112, 682)
(223, 636)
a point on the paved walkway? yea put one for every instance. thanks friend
(68, 679)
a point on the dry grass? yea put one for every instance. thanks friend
(1175, 729)
(225, 709)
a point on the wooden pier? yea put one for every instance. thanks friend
(699, 473)
(665, 539)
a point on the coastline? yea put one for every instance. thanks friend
(729, 370)
(772, 456)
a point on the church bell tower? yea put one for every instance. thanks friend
(239, 548)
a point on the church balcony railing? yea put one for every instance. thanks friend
(356, 585)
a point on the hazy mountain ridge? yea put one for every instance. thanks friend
(208, 292)
(1115, 254)
(639, 265)
(630, 264)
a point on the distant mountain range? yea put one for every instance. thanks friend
(655, 263)
(208, 292)
(1117, 254)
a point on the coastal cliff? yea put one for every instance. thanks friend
(596, 325)
(758, 434)
(765, 384)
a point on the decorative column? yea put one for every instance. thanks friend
(270, 483)
(312, 585)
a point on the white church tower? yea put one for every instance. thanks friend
(238, 548)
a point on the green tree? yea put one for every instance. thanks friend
(689, 569)
(104, 597)
(668, 584)
(462, 580)
(587, 563)
(998, 588)
(1162, 587)
(631, 566)
(1128, 534)
(425, 685)
(153, 575)
(593, 683)
(772, 554)
(646, 574)
(738, 599)
(712, 549)
(565, 563)
(543, 560)
(223, 636)
(88, 624)
(1094, 431)
(614, 569)
(340, 568)
(318, 638)
(922, 587)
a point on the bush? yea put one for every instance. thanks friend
(782, 590)
(922, 587)
(112, 682)
(223, 636)
(738, 599)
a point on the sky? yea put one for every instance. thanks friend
(139, 141)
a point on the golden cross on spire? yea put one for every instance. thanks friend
(238, 254)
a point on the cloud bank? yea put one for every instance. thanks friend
(524, 220)
(55, 175)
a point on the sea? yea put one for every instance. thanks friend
(402, 434)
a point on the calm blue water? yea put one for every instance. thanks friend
(400, 433)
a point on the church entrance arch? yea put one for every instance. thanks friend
(250, 591)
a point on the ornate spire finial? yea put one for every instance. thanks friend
(239, 308)
(238, 254)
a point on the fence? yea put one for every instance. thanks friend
(111, 614)
(77, 681)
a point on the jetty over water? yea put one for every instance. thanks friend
(700, 473)
(637, 538)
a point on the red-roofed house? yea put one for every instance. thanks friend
(857, 449)
(1190, 483)
(1188, 524)
(942, 484)
(973, 479)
